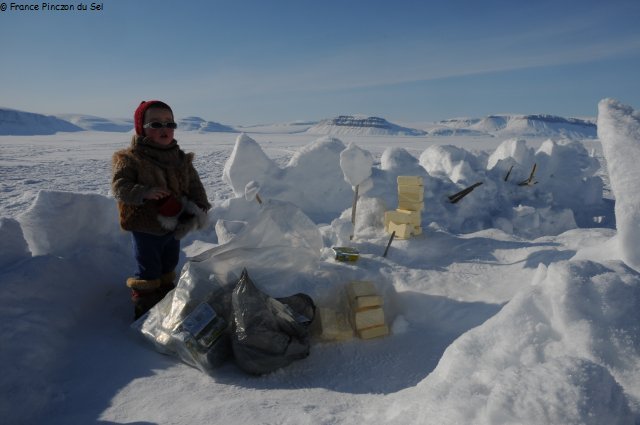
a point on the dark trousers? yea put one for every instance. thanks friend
(155, 255)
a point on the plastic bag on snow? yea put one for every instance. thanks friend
(191, 322)
(268, 333)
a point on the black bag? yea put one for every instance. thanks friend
(268, 333)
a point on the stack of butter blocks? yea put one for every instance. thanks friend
(406, 220)
(367, 314)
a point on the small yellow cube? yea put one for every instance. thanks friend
(402, 217)
(410, 206)
(410, 180)
(375, 332)
(403, 231)
(368, 318)
(334, 325)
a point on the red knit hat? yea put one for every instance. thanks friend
(138, 116)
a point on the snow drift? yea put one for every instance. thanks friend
(564, 351)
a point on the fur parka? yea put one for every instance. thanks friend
(146, 165)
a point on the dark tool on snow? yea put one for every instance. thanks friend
(508, 173)
(353, 211)
(464, 192)
(251, 192)
(529, 181)
(393, 235)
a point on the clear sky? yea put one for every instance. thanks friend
(251, 62)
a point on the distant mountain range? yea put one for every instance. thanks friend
(362, 126)
(198, 124)
(13, 122)
(518, 125)
(20, 123)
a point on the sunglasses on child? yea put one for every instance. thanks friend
(156, 125)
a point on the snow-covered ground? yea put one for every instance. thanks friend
(513, 306)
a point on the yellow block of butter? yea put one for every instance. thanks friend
(410, 180)
(375, 332)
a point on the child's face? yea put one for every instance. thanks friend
(161, 136)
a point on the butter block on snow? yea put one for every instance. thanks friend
(410, 195)
(334, 326)
(362, 294)
(358, 288)
(374, 332)
(402, 217)
(413, 192)
(403, 231)
(404, 204)
(368, 318)
(410, 180)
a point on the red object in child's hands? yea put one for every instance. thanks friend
(170, 206)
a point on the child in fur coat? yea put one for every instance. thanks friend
(160, 199)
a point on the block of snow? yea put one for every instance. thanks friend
(356, 164)
(619, 133)
(13, 246)
(60, 223)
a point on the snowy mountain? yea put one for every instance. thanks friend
(198, 124)
(93, 123)
(19, 123)
(279, 128)
(13, 122)
(518, 125)
(357, 125)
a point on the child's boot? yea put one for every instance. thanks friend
(144, 294)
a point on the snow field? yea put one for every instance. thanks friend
(494, 318)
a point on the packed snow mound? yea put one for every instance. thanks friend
(619, 133)
(202, 126)
(565, 351)
(519, 126)
(563, 193)
(93, 123)
(78, 254)
(58, 223)
(19, 123)
(312, 179)
(13, 246)
(350, 125)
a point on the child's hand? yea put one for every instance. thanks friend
(156, 193)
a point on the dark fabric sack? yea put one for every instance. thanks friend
(268, 333)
